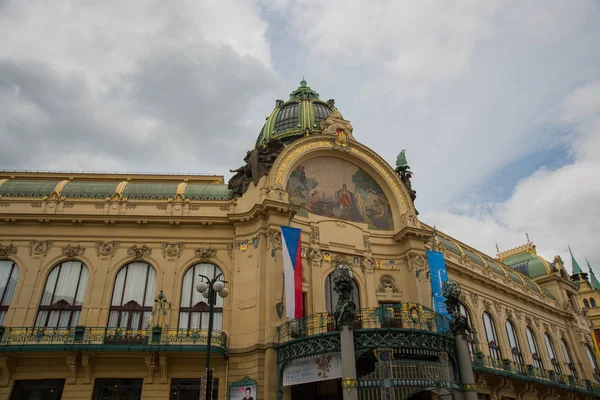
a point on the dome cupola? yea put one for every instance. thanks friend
(300, 116)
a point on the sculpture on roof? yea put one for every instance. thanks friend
(336, 125)
(405, 174)
(258, 164)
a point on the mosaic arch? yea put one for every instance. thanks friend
(335, 188)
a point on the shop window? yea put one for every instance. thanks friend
(133, 296)
(193, 312)
(189, 389)
(117, 389)
(63, 296)
(38, 389)
(9, 276)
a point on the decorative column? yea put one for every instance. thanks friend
(461, 331)
(345, 314)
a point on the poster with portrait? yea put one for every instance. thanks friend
(244, 389)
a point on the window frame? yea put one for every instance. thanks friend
(3, 298)
(202, 306)
(551, 350)
(515, 347)
(493, 346)
(568, 358)
(533, 348)
(131, 307)
(62, 306)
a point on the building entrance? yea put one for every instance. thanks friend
(324, 390)
(118, 389)
(39, 389)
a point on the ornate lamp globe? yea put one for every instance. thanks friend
(201, 287)
(218, 286)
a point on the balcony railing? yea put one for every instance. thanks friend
(410, 316)
(118, 339)
(532, 374)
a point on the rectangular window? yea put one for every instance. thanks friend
(117, 389)
(39, 389)
(189, 389)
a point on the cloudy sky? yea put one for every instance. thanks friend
(497, 102)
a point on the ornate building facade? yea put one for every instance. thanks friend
(99, 277)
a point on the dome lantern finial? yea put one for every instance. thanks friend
(303, 82)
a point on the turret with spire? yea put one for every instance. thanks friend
(594, 280)
(578, 274)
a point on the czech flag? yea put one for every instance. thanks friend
(292, 271)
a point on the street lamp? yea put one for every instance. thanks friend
(209, 289)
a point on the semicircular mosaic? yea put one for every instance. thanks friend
(335, 188)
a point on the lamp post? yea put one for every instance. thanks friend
(210, 288)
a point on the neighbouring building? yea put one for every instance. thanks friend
(98, 278)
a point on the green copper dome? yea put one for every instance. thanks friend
(300, 116)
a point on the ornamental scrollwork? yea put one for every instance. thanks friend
(273, 240)
(205, 254)
(136, 251)
(7, 250)
(316, 255)
(367, 243)
(172, 249)
(340, 260)
(368, 263)
(387, 282)
(107, 248)
(314, 235)
(72, 251)
(40, 247)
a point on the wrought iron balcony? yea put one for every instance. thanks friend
(109, 339)
(530, 373)
(411, 316)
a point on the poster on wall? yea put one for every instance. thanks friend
(313, 369)
(244, 389)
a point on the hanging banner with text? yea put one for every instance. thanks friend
(438, 275)
(313, 369)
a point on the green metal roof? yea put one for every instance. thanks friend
(150, 191)
(575, 265)
(548, 293)
(515, 278)
(198, 191)
(533, 286)
(89, 190)
(473, 257)
(29, 188)
(495, 268)
(527, 264)
(301, 115)
(448, 245)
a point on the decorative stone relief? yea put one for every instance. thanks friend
(136, 251)
(368, 263)
(7, 250)
(172, 249)
(316, 256)
(475, 298)
(497, 306)
(205, 254)
(416, 262)
(341, 260)
(487, 305)
(367, 243)
(107, 248)
(314, 235)
(72, 251)
(387, 282)
(40, 247)
(273, 241)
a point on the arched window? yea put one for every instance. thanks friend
(568, 358)
(63, 296)
(193, 312)
(331, 296)
(592, 302)
(9, 275)
(513, 341)
(592, 360)
(490, 335)
(533, 348)
(551, 353)
(467, 315)
(586, 303)
(131, 305)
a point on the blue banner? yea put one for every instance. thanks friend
(438, 275)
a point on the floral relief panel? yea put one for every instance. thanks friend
(335, 188)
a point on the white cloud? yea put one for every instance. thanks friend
(558, 207)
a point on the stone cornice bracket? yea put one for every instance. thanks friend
(412, 232)
(172, 250)
(107, 249)
(7, 366)
(72, 251)
(136, 251)
(8, 250)
(206, 254)
(87, 365)
(40, 247)
(73, 361)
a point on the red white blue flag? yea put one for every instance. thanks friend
(292, 271)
